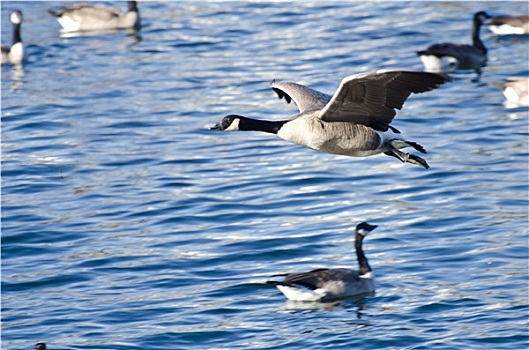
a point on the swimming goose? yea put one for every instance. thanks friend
(354, 121)
(94, 18)
(506, 25)
(449, 57)
(14, 54)
(329, 284)
(40, 346)
(516, 92)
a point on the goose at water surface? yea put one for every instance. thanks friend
(354, 121)
(97, 18)
(15, 53)
(449, 57)
(516, 91)
(330, 284)
(509, 25)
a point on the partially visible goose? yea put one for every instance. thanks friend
(515, 90)
(40, 346)
(354, 121)
(507, 25)
(448, 57)
(15, 53)
(329, 284)
(97, 18)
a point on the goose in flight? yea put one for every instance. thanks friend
(97, 18)
(330, 284)
(449, 57)
(354, 122)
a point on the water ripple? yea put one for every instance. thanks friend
(128, 224)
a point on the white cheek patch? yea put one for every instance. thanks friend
(15, 19)
(368, 275)
(234, 126)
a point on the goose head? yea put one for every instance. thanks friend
(364, 228)
(40, 346)
(16, 17)
(229, 123)
(481, 17)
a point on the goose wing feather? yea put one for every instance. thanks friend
(371, 98)
(450, 49)
(305, 98)
(317, 278)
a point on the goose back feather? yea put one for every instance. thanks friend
(94, 18)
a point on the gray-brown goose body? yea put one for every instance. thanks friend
(509, 25)
(355, 121)
(88, 18)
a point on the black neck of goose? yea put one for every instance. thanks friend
(249, 124)
(17, 38)
(476, 40)
(133, 6)
(362, 260)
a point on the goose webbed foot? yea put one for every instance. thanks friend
(416, 146)
(407, 158)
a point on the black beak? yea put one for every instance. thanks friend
(216, 127)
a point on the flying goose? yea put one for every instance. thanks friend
(448, 57)
(515, 90)
(14, 54)
(96, 18)
(330, 284)
(506, 25)
(354, 121)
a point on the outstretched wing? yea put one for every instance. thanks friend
(371, 98)
(305, 98)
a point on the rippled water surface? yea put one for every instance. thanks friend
(127, 224)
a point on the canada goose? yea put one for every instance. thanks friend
(95, 18)
(329, 284)
(14, 54)
(506, 25)
(515, 90)
(40, 346)
(449, 57)
(354, 122)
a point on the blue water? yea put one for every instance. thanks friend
(127, 224)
